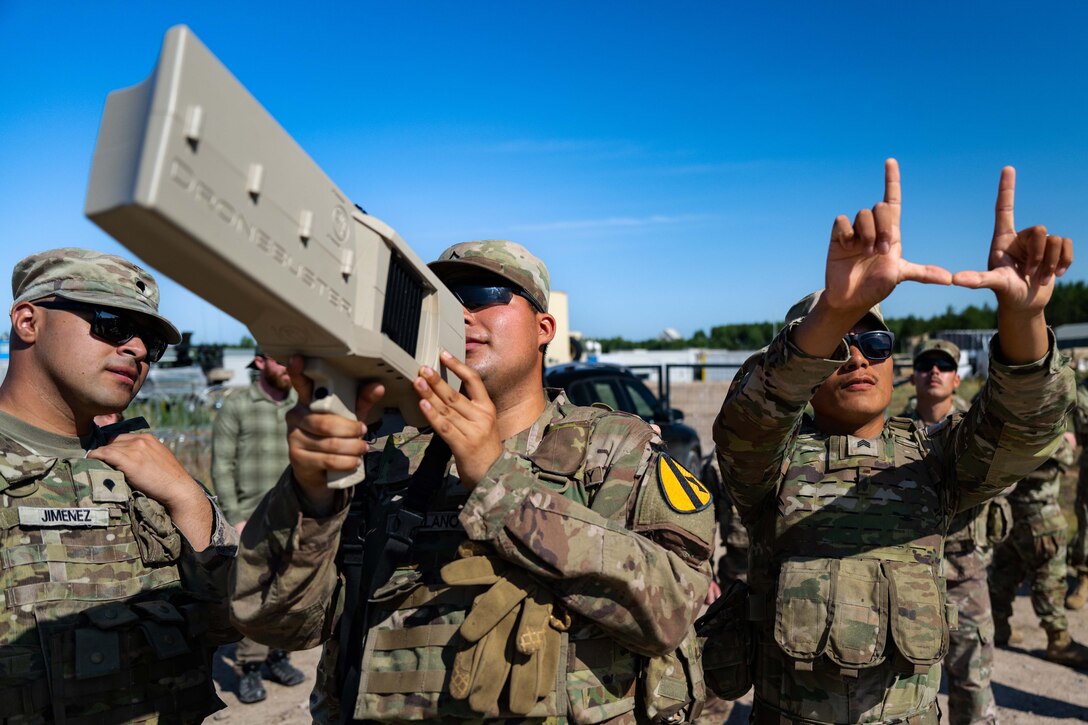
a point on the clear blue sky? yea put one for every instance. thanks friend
(677, 164)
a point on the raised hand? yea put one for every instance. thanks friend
(1023, 265)
(322, 442)
(865, 259)
(467, 422)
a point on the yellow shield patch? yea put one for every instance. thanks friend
(682, 491)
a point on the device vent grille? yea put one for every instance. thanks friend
(403, 305)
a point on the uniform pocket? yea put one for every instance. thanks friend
(859, 614)
(673, 684)
(600, 681)
(802, 610)
(918, 622)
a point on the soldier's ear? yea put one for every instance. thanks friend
(26, 322)
(545, 328)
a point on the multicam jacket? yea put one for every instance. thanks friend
(249, 449)
(108, 614)
(847, 532)
(576, 501)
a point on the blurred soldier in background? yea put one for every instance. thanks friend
(1036, 551)
(249, 451)
(967, 549)
(847, 513)
(1078, 550)
(115, 560)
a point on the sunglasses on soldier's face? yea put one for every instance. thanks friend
(875, 345)
(112, 327)
(477, 296)
(943, 364)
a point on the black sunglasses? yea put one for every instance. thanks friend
(945, 365)
(114, 328)
(875, 345)
(477, 296)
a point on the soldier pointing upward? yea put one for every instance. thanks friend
(847, 511)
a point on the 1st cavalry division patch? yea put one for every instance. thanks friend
(681, 490)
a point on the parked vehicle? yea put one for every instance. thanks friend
(620, 389)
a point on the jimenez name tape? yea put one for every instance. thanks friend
(86, 517)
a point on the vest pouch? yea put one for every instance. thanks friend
(725, 638)
(115, 661)
(803, 607)
(918, 622)
(859, 628)
(672, 687)
(600, 680)
(998, 520)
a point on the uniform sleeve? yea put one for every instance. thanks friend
(637, 574)
(224, 448)
(284, 582)
(205, 575)
(761, 414)
(1016, 423)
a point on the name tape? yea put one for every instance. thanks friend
(67, 518)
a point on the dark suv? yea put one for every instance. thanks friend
(619, 389)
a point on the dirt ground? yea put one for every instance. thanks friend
(1028, 689)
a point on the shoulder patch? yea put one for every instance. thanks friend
(682, 491)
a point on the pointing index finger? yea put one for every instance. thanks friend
(1006, 195)
(893, 191)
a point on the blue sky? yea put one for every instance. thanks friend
(676, 164)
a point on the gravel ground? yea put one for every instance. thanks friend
(1028, 688)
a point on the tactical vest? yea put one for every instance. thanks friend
(414, 618)
(846, 565)
(93, 624)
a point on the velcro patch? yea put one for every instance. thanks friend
(681, 490)
(67, 518)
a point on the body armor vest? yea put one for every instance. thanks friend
(414, 618)
(93, 622)
(852, 559)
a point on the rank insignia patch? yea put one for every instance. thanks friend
(681, 490)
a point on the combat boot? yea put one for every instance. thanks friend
(281, 670)
(1079, 595)
(1005, 635)
(1064, 650)
(250, 687)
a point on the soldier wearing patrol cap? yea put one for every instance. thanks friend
(847, 512)
(968, 548)
(114, 559)
(552, 572)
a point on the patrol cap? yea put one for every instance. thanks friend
(941, 347)
(83, 275)
(805, 305)
(509, 260)
(257, 352)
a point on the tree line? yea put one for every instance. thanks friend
(1068, 304)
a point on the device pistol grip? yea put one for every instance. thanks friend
(331, 388)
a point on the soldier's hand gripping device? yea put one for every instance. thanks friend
(194, 176)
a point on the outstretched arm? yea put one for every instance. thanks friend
(1023, 267)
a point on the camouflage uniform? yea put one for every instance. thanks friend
(967, 554)
(1036, 549)
(1078, 550)
(730, 560)
(108, 614)
(847, 533)
(584, 502)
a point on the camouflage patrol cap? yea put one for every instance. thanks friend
(805, 305)
(938, 346)
(83, 275)
(509, 260)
